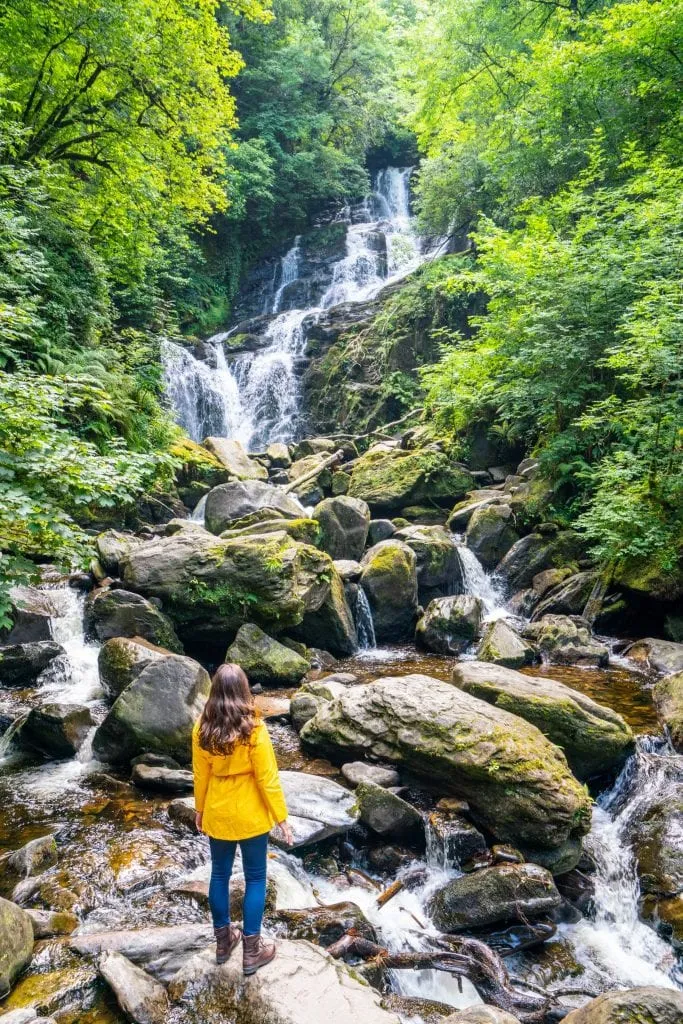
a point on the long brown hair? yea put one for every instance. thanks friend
(229, 715)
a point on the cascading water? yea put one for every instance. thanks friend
(365, 627)
(256, 399)
(479, 584)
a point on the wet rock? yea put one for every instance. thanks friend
(303, 706)
(656, 840)
(450, 624)
(507, 892)
(31, 612)
(318, 808)
(35, 857)
(182, 811)
(141, 998)
(668, 698)
(291, 990)
(264, 659)
(16, 943)
(156, 713)
(233, 457)
(21, 664)
(279, 456)
(390, 582)
(663, 656)
(390, 858)
(122, 659)
(229, 502)
(566, 640)
(533, 554)
(48, 923)
(331, 625)
(502, 853)
(516, 782)
(25, 1016)
(568, 597)
(594, 738)
(325, 925)
(112, 546)
(349, 571)
(457, 839)
(154, 761)
(162, 780)
(161, 951)
(559, 860)
(311, 489)
(57, 730)
(387, 814)
(428, 1011)
(307, 531)
(439, 572)
(502, 645)
(481, 1015)
(514, 938)
(356, 772)
(646, 1005)
(576, 888)
(491, 533)
(464, 510)
(344, 526)
(380, 529)
(111, 613)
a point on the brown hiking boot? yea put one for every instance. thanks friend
(226, 940)
(256, 952)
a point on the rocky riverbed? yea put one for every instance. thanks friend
(482, 783)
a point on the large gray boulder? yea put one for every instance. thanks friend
(34, 857)
(302, 983)
(506, 892)
(57, 730)
(567, 597)
(318, 808)
(141, 998)
(235, 459)
(664, 656)
(264, 659)
(344, 524)
(491, 533)
(389, 580)
(111, 613)
(31, 612)
(210, 586)
(229, 502)
(535, 553)
(122, 659)
(112, 546)
(516, 782)
(387, 814)
(566, 640)
(16, 943)
(502, 645)
(668, 698)
(450, 624)
(646, 1005)
(594, 738)
(21, 664)
(439, 572)
(155, 713)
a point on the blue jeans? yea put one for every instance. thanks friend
(254, 853)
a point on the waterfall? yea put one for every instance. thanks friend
(75, 680)
(479, 584)
(256, 399)
(198, 511)
(365, 627)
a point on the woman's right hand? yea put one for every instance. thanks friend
(286, 830)
(198, 821)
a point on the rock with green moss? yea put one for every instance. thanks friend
(305, 530)
(594, 738)
(535, 553)
(439, 572)
(645, 1005)
(502, 645)
(211, 586)
(668, 698)
(311, 490)
(232, 456)
(388, 815)
(111, 546)
(344, 524)
(463, 511)
(198, 470)
(517, 784)
(31, 612)
(450, 624)
(341, 482)
(491, 533)
(566, 640)
(567, 597)
(656, 840)
(16, 943)
(122, 659)
(264, 659)
(506, 892)
(111, 613)
(156, 713)
(390, 480)
(279, 456)
(389, 580)
(330, 626)
(230, 502)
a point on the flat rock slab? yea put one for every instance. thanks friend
(161, 951)
(140, 997)
(302, 985)
(318, 808)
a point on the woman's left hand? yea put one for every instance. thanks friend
(198, 821)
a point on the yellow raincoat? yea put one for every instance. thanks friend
(238, 795)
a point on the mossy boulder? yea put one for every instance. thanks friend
(566, 640)
(56, 730)
(439, 572)
(506, 892)
(122, 659)
(21, 664)
(344, 524)
(31, 612)
(392, 479)
(491, 533)
(388, 815)
(264, 659)
(111, 613)
(389, 580)
(594, 738)
(233, 457)
(646, 1005)
(668, 698)
(535, 553)
(330, 626)
(567, 597)
(307, 531)
(16, 943)
(198, 470)
(111, 546)
(156, 713)
(230, 502)
(517, 783)
(450, 624)
(502, 645)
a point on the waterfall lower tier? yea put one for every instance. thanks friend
(478, 583)
(365, 627)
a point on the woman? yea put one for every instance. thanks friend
(238, 799)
